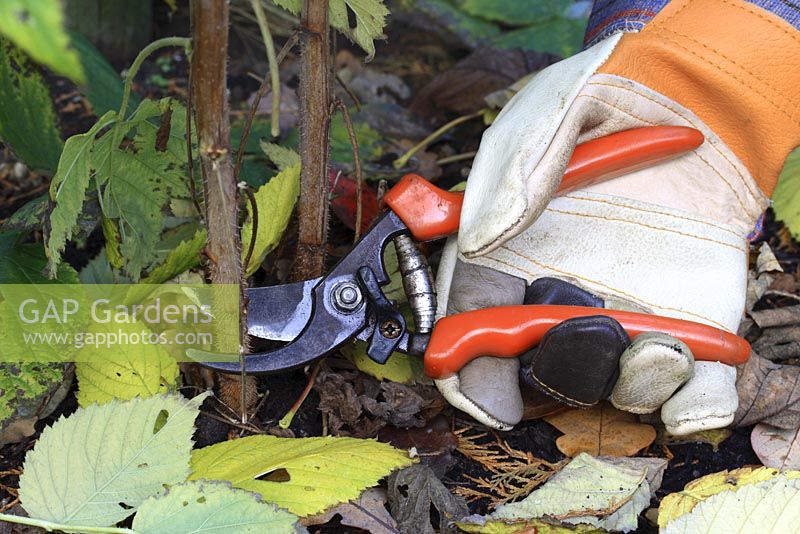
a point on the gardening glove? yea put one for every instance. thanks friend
(670, 239)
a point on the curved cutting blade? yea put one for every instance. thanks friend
(279, 313)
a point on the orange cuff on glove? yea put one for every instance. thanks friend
(735, 65)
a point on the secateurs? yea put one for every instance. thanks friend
(317, 316)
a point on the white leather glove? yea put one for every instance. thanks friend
(671, 239)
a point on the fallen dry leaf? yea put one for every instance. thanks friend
(462, 87)
(776, 447)
(367, 512)
(768, 392)
(434, 443)
(601, 431)
(414, 492)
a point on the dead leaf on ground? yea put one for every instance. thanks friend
(367, 512)
(768, 392)
(358, 405)
(434, 443)
(601, 431)
(713, 437)
(462, 87)
(414, 492)
(776, 447)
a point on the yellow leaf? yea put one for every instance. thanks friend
(601, 431)
(303, 475)
(399, 367)
(275, 201)
(677, 504)
(537, 526)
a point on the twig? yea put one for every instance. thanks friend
(50, 527)
(456, 157)
(357, 161)
(286, 420)
(350, 93)
(232, 422)
(189, 156)
(262, 90)
(266, 36)
(402, 160)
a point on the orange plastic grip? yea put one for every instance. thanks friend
(432, 213)
(508, 331)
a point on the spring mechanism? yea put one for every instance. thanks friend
(417, 283)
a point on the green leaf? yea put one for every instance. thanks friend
(137, 179)
(399, 367)
(369, 141)
(786, 198)
(99, 271)
(28, 122)
(25, 391)
(29, 216)
(282, 157)
(303, 475)
(95, 467)
(180, 259)
(25, 264)
(104, 85)
(447, 18)
(275, 202)
(68, 188)
(210, 507)
(36, 26)
(767, 507)
(560, 36)
(142, 370)
(516, 12)
(370, 19)
(588, 490)
(683, 502)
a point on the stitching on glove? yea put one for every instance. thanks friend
(653, 123)
(611, 289)
(745, 182)
(720, 68)
(653, 227)
(576, 196)
(558, 395)
(760, 14)
(734, 62)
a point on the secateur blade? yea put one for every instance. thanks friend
(342, 305)
(280, 313)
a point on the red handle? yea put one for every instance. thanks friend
(508, 331)
(432, 213)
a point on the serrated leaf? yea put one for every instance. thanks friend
(786, 198)
(683, 502)
(28, 122)
(282, 157)
(68, 188)
(275, 201)
(771, 507)
(587, 490)
(303, 475)
(560, 36)
(516, 12)
(141, 370)
(370, 19)
(29, 216)
(37, 27)
(182, 258)
(99, 271)
(95, 467)
(25, 264)
(210, 507)
(415, 492)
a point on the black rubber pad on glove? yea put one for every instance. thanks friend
(577, 361)
(554, 291)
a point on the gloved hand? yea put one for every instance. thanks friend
(670, 239)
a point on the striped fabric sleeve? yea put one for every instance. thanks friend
(611, 16)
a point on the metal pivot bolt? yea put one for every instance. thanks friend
(347, 296)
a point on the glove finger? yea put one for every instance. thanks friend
(650, 371)
(707, 401)
(577, 361)
(487, 388)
